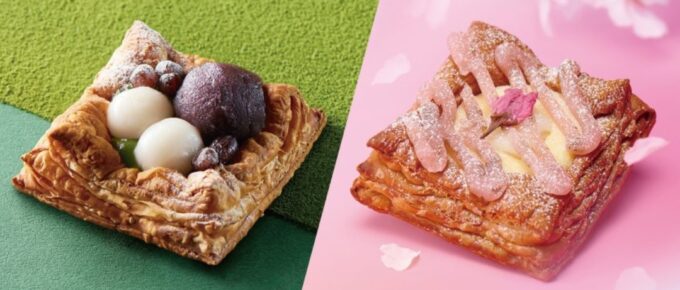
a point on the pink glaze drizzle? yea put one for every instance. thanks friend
(579, 141)
(422, 127)
(590, 135)
(467, 60)
(546, 169)
(489, 180)
(432, 121)
(524, 138)
(484, 174)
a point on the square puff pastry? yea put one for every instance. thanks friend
(74, 167)
(525, 228)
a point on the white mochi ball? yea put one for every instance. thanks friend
(134, 110)
(170, 143)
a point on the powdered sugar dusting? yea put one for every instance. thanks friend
(422, 127)
(140, 45)
(432, 118)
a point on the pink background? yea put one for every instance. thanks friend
(640, 229)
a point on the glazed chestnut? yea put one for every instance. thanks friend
(143, 76)
(205, 159)
(167, 66)
(222, 99)
(226, 147)
(169, 83)
(220, 151)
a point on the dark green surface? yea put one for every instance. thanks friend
(51, 50)
(42, 247)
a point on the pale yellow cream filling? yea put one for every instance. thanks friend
(552, 136)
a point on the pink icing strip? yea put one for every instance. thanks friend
(487, 180)
(590, 137)
(540, 160)
(552, 176)
(472, 110)
(524, 138)
(579, 141)
(483, 181)
(549, 178)
(493, 177)
(435, 112)
(440, 92)
(548, 98)
(458, 49)
(468, 61)
(425, 131)
(422, 128)
(507, 62)
(426, 126)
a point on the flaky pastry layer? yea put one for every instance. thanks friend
(526, 228)
(202, 216)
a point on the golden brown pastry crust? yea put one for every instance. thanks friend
(202, 216)
(526, 229)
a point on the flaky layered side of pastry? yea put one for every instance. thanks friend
(526, 228)
(203, 215)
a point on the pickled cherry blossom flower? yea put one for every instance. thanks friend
(511, 109)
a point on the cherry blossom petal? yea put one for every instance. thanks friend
(434, 11)
(653, 2)
(571, 8)
(646, 24)
(623, 13)
(396, 257)
(393, 68)
(643, 148)
(544, 16)
(417, 8)
(619, 12)
(635, 278)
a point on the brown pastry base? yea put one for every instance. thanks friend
(525, 229)
(202, 216)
